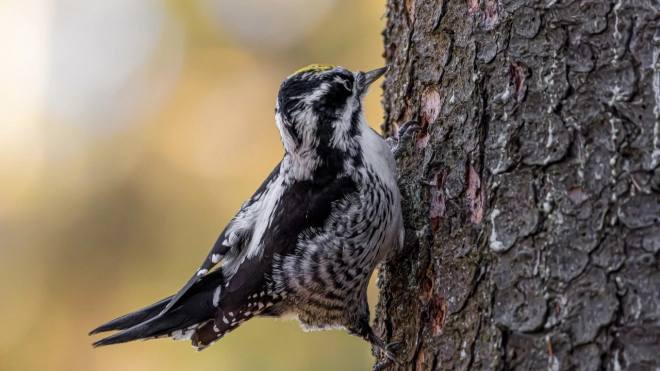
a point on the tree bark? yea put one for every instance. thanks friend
(531, 193)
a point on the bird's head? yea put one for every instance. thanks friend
(319, 108)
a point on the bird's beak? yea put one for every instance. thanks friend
(369, 77)
(373, 75)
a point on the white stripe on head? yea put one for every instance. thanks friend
(341, 128)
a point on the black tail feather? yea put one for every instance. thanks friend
(131, 319)
(174, 299)
(195, 307)
(155, 327)
(207, 265)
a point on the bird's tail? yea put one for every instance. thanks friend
(131, 319)
(193, 310)
(174, 324)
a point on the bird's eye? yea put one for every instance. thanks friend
(347, 85)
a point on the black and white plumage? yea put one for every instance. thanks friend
(309, 238)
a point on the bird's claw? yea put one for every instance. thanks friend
(388, 352)
(408, 130)
(405, 135)
(380, 366)
(394, 346)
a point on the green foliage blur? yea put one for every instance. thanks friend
(130, 132)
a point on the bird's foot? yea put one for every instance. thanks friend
(388, 353)
(389, 358)
(405, 135)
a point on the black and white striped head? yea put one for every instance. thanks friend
(319, 108)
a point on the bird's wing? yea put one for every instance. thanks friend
(233, 236)
(297, 209)
(301, 207)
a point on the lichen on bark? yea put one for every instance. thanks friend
(531, 193)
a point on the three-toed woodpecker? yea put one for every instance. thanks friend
(308, 240)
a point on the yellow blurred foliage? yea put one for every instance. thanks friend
(131, 132)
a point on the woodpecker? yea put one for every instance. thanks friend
(308, 240)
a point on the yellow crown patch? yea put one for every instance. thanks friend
(315, 67)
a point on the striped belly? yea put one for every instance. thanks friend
(328, 275)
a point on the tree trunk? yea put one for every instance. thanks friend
(531, 193)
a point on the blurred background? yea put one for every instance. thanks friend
(130, 132)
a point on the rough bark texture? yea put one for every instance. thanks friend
(531, 193)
